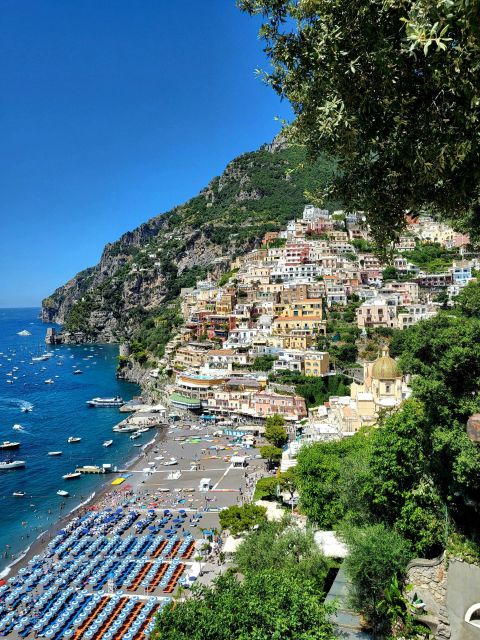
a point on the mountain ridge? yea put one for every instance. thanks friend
(146, 267)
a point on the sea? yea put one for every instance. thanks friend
(56, 411)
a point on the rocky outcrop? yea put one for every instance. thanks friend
(428, 579)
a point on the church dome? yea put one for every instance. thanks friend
(385, 367)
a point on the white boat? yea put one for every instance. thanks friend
(116, 401)
(62, 493)
(6, 444)
(54, 453)
(24, 332)
(143, 430)
(77, 372)
(11, 464)
(18, 427)
(171, 462)
(49, 381)
(42, 358)
(134, 436)
(72, 476)
(107, 443)
(26, 409)
(18, 494)
(124, 428)
(73, 439)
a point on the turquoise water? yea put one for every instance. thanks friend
(58, 411)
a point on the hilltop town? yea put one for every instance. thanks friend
(300, 326)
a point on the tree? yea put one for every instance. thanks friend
(271, 454)
(319, 472)
(390, 273)
(398, 459)
(264, 606)
(289, 481)
(376, 555)
(237, 519)
(275, 431)
(392, 90)
(283, 547)
(468, 300)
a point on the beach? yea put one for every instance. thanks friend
(178, 539)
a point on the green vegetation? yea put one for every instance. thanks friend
(263, 363)
(468, 300)
(275, 431)
(271, 454)
(154, 331)
(283, 548)
(316, 391)
(264, 605)
(226, 277)
(238, 519)
(376, 556)
(432, 257)
(361, 90)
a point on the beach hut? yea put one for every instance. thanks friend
(205, 484)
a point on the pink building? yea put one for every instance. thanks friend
(267, 403)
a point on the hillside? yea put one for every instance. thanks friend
(126, 295)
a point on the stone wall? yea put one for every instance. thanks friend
(429, 582)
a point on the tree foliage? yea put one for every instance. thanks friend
(376, 555)
(266, 605)
(283, 547)
(389, 88)
(275, 431)
(238, 519)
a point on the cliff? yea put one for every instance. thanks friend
(130, 293)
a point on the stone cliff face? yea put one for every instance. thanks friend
(147, 267)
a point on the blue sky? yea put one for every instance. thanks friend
(113, 111)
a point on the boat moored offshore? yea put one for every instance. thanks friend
(115, 401)
(11, 464)
(6, 444)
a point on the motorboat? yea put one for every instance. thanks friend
(77, 372)
(11, 464)
(73, 439)
(54, 453)
(26, 409)
(49, 381)
(135, 435)
(171, 462)
(6, 444)
(18, 494)
(116, 401)
(18, 427)
(63, 493)
(107, 443)
(143, 430)
(24, 332)
(72, 476)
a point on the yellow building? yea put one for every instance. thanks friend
(285, 324)
(316, 363)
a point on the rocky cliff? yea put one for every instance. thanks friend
(143, 271)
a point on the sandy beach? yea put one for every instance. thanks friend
(167, 495)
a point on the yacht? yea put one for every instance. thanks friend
(49, 381)
(107, 443)
(54, 453)
(62, 493)
(73, 439)
(77, 372)
(42, 358)
(6, 444)
(18, 494)
(117, 401)
(72, 476)
(11, 464)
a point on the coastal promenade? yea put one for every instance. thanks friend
(105, 572)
